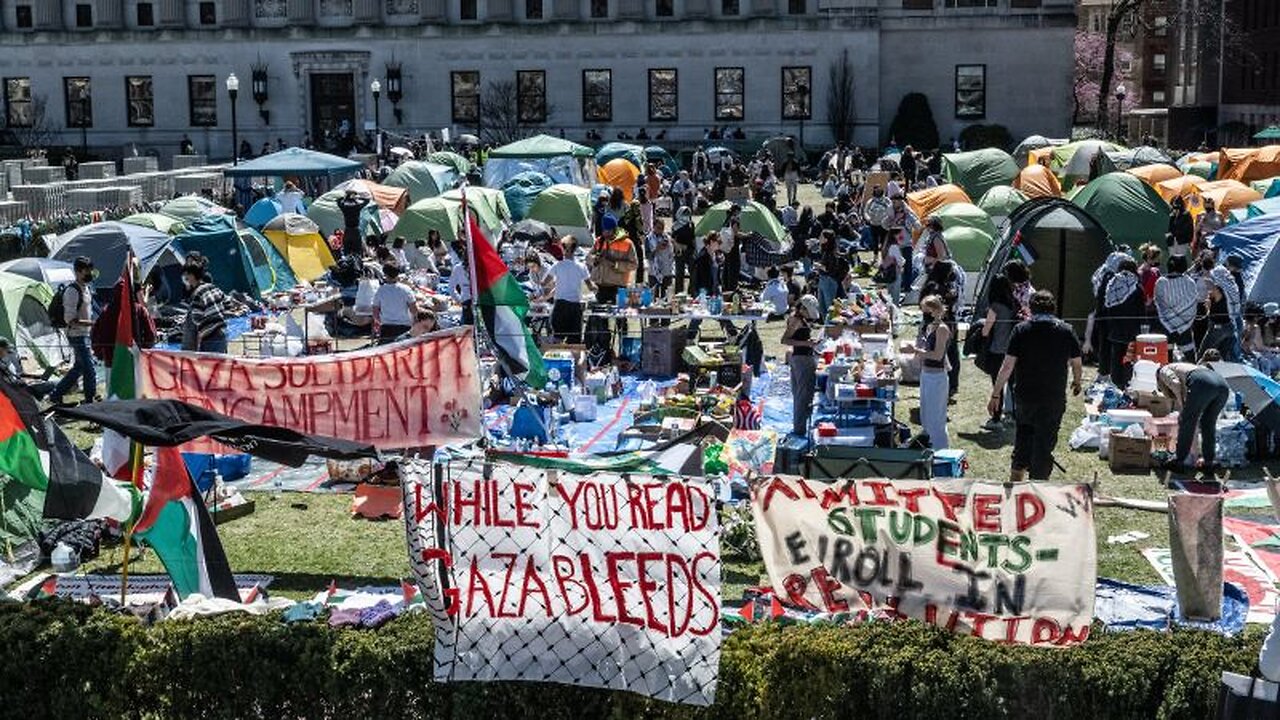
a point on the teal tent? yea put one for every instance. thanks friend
(666, 162)
(1130, 210)
(633, 154)
(1267, 206)
(448, 158)
(295, 162)
(239, 258)
(422, 179)
(1000, 201)
(521, 190)
(979, 171)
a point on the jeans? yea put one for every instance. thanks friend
(389, 333)
(908, 273)
(566, 321)
(1207, 394)
(828, 288)
(933, 407)
(1036, 435)
(792, 184)
(804, 377)
(82, 368)
(953, 358)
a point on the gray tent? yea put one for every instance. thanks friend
(107, 244)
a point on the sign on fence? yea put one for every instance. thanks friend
(1013, 564)
(424, 391)
(543, 576)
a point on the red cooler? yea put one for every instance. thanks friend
(1153, 347)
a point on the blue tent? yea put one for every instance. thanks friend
(239, 258)
(1254, 242)
(295, 162)
(262, 212)
(666, 162)
(614, 150)
(522, 190)
(1267, 206)
(108, 243)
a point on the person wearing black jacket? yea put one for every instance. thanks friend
(685, 245)
(1182, 227)
(708, 278)
(1124, 307)
(351, 206)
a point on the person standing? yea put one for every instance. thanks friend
(290, 199)
(77, 313)
(803, 366)
(460, 287)
(662, 259)
(1181, 227)
(1211, 221)
(902, 223)
(1198, 393)
(790, 172)
(394, 306)
(1039, 353)
(1177, 297)
(1003, 314)
(934, 244)
(567, 278)
(834, 268)
(685, 242)
(731, 243)
(351, 206)
(876, 212)
(708, 280)
(613, 260)
(934, 384)
(1124, 306)
(205, 327)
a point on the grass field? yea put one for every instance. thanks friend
(307, 540)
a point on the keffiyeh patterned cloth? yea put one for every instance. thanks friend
(1223, 279)
(1110, 266)
(1120, 287)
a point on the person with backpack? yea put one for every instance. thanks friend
(72, 311)
(877, 212)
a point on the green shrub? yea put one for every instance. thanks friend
(61, 660)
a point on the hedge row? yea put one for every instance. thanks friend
(61, 660)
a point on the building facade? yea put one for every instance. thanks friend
(115, 74)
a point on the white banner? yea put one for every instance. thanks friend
(1013, 563)
(540, 576)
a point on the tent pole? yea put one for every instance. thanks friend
(135, 477)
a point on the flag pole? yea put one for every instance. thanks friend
(135, 475)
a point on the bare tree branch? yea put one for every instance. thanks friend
(840, 109)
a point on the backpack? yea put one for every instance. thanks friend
(58, 308)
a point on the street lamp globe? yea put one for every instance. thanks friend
(375, 87)
(233, 84)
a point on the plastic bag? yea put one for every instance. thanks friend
(1086, 437)
(364, 295)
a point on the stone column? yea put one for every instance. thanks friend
(302, 12)
(763, 8)
(432, 10)
(47, 15)
(235, 13)
(171, 13)
(109, 14)
(565, 10)
(694, 9)
(499, 10)
(368, 12)
(630, 9)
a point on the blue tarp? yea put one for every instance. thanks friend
(295, 162)
(521, 190)
(1122, 606)
(1254, 242)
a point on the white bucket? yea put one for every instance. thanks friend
(1144, 376)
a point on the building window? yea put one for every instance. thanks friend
(79, 101)
(1160, 26)
(202, 100)
(532, 9)
(1157, 62)
(797, 7)
(597, 95)
(467, 10)
(531, 96)
(464, 87)
(729, 93)
(1157, 97)
(969, 3)
(23, 17)
(19, 108)
(208, 13)
(729, 7)
(797, 89)
(1125, 65)
(146, 14)
(917, 4)
(664, 95)
(141, 101)
(84, 15)
(599, 9)
(971, 91)
(664, 8)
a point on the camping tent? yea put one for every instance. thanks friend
(1000, 201)
(1254, 242)
(239, 257)
(665, 161)
(1130, 210)
(325, 213)
(1141, 156)
(521, 190)
(50, 272)
(295, 162)
(1229, 195)
(1269, 187)
(155, 221)
(564, 161)
(435, 213)
(24, 317)
(192, 207)
(1073, 161)
(261, 212)
(966, 215)
(620, 174)
(970, 247)
(1021, 153)
(1062, 246)
(1036, 181)
(755, 218)
(924, 202)
(978, 171)
(1267, 206)
(1245, 164)
(422, 179)
(1155, 173)
(614, 150)
(779, 146)
(298, 240)
(1179, 187)
(567, 208)
(461, 166)
(108, 243)
(489, 205)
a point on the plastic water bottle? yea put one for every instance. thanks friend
(64, 559)
(277, 486)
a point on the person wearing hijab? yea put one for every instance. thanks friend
(685, 242)
(1095, 338)
(1124, 307)
(801, 337)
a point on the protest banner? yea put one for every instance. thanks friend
(424, 391)
(1237, 567)
(539, 575)
(1013, 564)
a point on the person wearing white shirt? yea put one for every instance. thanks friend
(398, 253)
(776, 295)
(791, 215)
(460, 289)
(567, 278)
(394, 306)
(291, 199)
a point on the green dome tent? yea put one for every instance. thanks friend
(965, 215)
(970, 246)
(155, 221)
(755, 218)
(190, 208)
(422, 179)
(979, 171)
(1130, 210)
(460, 165)
(1000, 201)
(563, 206)
(24, 318)
(489, 205)
(435, 213)
(239, 257)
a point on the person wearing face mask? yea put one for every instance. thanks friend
(77, 307)
(205, 327)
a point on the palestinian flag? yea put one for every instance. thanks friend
(118, 452)
(37, 453)
(177, 526)
(503, 306)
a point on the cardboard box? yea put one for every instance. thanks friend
(1154, 403)
(1129, 453)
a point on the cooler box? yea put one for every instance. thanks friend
(1122, 418)
(949, 463)
(789, 459)
(836, 462)
(1153, 347)
(234, 467)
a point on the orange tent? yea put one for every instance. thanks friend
(1246, 164)
(1183, 185)
(929, 200)
(1155, 174)
(1229, 195)
(395, 199)
(619, 173)
(1037, 181)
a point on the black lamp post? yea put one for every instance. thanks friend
(395, 89)
(376, 88)
(233, 89)
(1121, 92)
